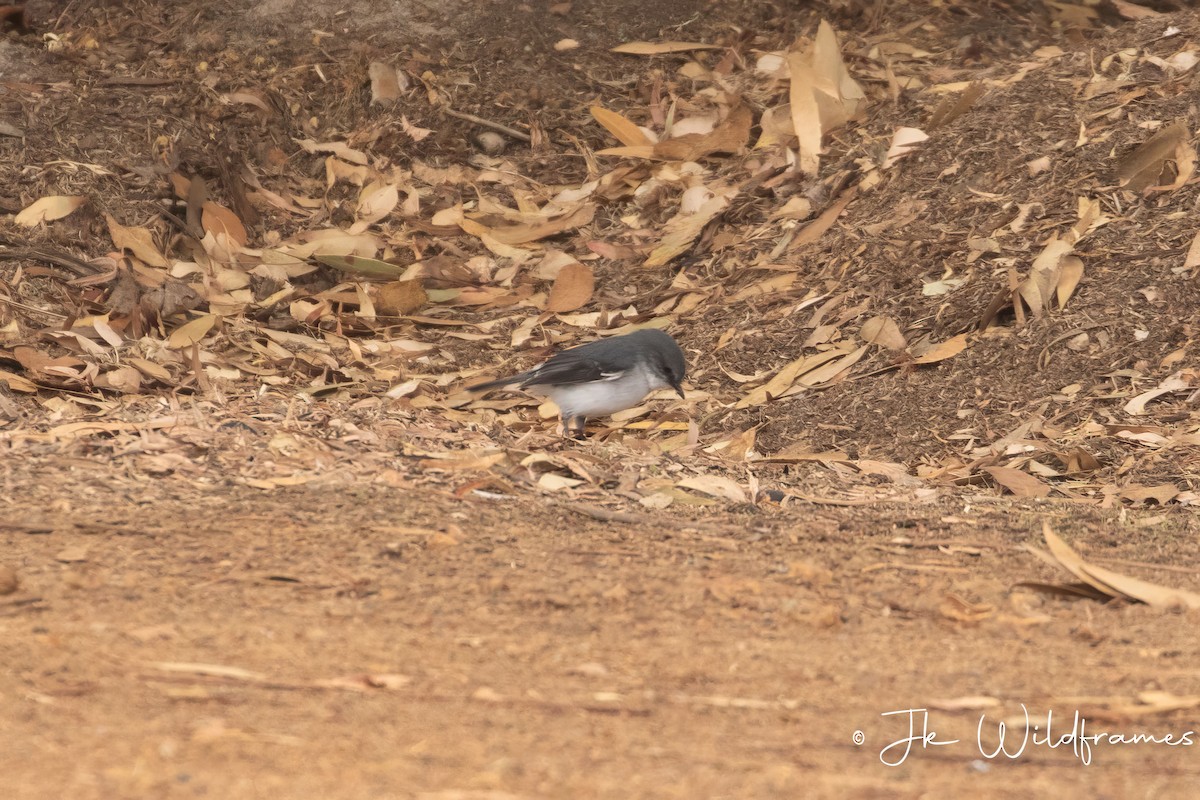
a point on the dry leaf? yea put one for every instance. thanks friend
(1161, 494)
(339, 149)
(1114, 583)
(151, 369)
(1192, 259)
(386, 82)
(1022, 484)
(1144, 167)
(1070, 273)
(572, 288)
(952, 108)
(839, 96)
(770, 286)
(903, 142)
(1134, 11)
(806, 116)
(777, 127)
(728, 137)
(943, 350)
(376, 202)
(716, 486)
(121, 379)
(210, 670)
(531, 232)
(17, 383)
(822, 95)
(968, 703)
(138, 241)
(360, 265)
(35, 360)
(414, 132)
(48, 209)
(217, 219)
(621, 128)
(552, 481)
(192, 332)
(1039, 287)
(659, 48)
(786, 377)
(958, 609)
(682, 229)
(457, 462)
(883, 331)
(817, 228)
(829, 371)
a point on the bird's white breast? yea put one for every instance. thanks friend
(604, 397)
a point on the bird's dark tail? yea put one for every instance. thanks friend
(496, 384)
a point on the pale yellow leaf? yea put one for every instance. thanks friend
(376, 202)
(1143, 167)
(621, 128)
(1192, 259)
(339, 149)
(884, 331)
(967, 703)
(385, 82)
(943, 350)
(682, 229)
(784, 379)
(770, 286)
(1070, 273)
(48, 209)
(1114, 583)
(817, 228)
(17, 383)
(829, 371)
(638, 151)
(462, 463)
(903, 142)
(716, 486)
(189, 333)
(844, 97)
(806, 115)
(659, 48)
(121, 379)
(138, 241)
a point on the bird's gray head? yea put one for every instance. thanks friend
(665, 356)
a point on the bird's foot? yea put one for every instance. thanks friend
(575, 428)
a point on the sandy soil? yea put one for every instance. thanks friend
(244, 593)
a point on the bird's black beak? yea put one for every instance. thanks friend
(679, 391)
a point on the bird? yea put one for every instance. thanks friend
(602, 377)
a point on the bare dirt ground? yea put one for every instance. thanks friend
(257, 542)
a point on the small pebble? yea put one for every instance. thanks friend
(491, 143)
(8, 580)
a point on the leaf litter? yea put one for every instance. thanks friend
(422, 248)
(886, 290)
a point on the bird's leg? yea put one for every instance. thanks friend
(574, 427)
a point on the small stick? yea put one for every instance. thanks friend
(496, 126)
(1013, 285)
(603, 514)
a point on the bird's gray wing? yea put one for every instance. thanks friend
(567, 368)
